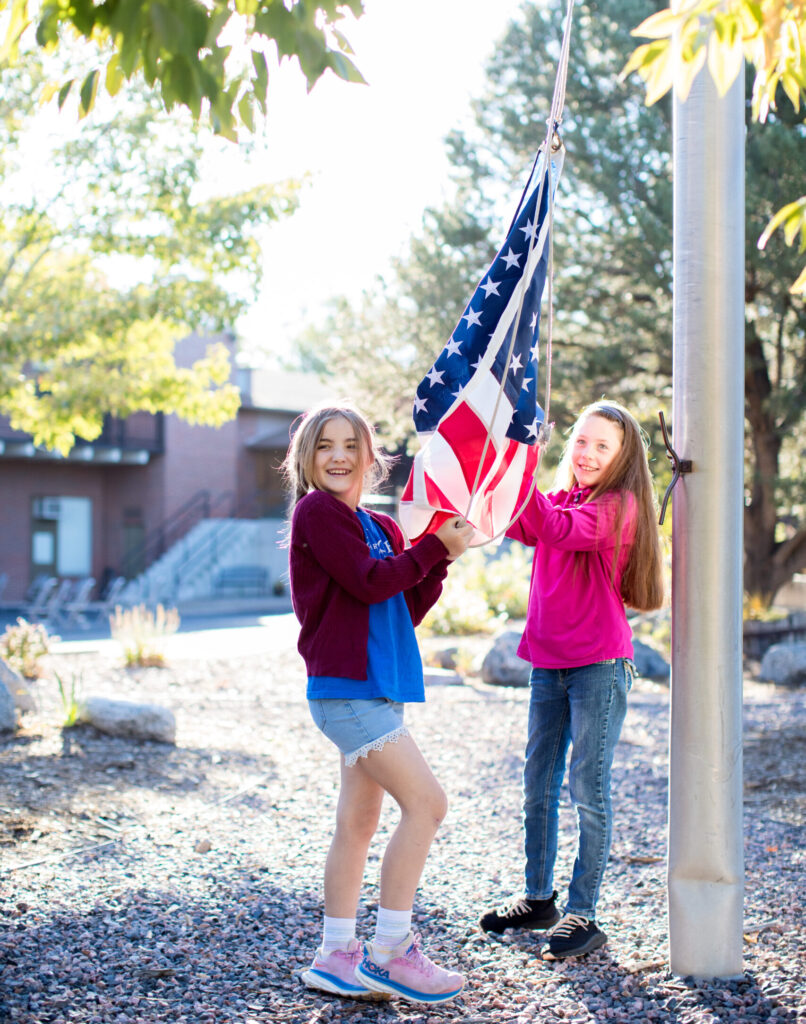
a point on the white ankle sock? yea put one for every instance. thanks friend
(337, 933)
(391, 928)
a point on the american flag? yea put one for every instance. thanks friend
(477, 389)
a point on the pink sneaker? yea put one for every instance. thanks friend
(408, 974)
(336, 973)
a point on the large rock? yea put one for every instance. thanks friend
(125, 718)
(16, 686)
(8, 712)
(784, 664)
(502, 666)
(649, 663)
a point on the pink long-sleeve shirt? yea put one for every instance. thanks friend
(576, 614)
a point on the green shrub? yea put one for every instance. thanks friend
(484, 588)
(71, 699)
(756, 609)
(139, 631)
(23, 645)
(503, 578)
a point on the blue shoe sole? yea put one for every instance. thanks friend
(391, 988)
(325, 982)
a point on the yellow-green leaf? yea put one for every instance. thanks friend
(791, 88)
(687, 71)
(18, 22)
(641, 58)
(48, 92)
(89, 90)
(64, 92)
(724, 62)
(114, 76)
(799, 287)
(636, 61)
(246, 112)
(793, 216)
(659, 26)
(754, 10)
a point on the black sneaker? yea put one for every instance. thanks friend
(573, 936)
(521, 912)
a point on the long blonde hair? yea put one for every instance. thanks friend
(642, 579)
(298, 464)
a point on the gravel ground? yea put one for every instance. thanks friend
(145, 883)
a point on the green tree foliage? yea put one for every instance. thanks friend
(210, 57)
(722, 34)
(613, 253)
(106, 258)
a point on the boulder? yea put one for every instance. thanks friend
(17, 687)
(649, 663)
(502, 666)
(8, 712)
(126, 718)
(784, 664)
(444, 657)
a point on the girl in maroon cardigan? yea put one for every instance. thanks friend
(358, 592)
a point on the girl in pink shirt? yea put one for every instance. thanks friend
(597, 550)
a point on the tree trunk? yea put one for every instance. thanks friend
(760, 516)
(768, 564)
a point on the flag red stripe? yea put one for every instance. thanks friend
(436, 499)
(467, 434)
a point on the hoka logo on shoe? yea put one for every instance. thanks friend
(374, 970)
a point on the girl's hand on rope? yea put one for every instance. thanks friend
(456, 534)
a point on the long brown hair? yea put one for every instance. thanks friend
(298, 464)
(642, 579)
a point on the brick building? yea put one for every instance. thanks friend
(113, 505)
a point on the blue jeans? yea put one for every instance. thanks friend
(582, 708)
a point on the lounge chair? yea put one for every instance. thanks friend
(104, 607)
(50, 605)
(73, 611)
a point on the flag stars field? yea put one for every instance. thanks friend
(529, 231)
(511, 259)
(435, 376)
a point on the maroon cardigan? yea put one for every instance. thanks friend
(334, 580)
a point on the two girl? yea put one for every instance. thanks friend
(358, 592)
(597, 549)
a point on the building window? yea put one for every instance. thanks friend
(61, 536)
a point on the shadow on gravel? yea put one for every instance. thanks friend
(96, 775)
(139, 955)
(612, 991)
(148, 955)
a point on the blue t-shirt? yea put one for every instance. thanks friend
(394, 666)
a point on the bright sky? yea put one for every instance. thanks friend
(375, 153)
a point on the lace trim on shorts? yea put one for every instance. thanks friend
(390, 737)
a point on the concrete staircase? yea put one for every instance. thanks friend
(187, 572)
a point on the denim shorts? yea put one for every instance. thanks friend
(357, 725)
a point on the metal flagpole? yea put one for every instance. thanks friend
(706, 868)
